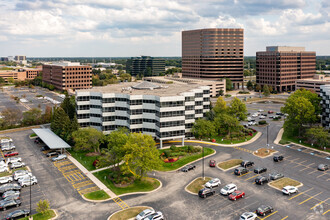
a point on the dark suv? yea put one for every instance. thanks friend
(188, 167)
(5, 204)
(239, 171)
(278, 158)
(261, 180)
(9, 186)
(17, 214)
(264, 209)
(206, 192)
(260, 170)
(247, 163)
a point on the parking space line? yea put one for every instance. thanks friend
(244, 174)
(251, 177)
(313, 172)
(310, 198)
(319, 203)
(3, 156)
(326, 212)
(269, 215)
(322, 175)
(310, 164)
(285, 217)
(301, 193)
(285, 158)
(305, 169)
(298, 165)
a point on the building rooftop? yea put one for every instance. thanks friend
(183, 80)
(143, 88)
(284, 49)
(65, 63)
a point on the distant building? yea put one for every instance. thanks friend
(20, 74)
(325, 104)
(4, 59)
(280, 67)
(20, 58)
(145, 66)
(314, 83)
(67, 76)
(213, 54)
(166, 112)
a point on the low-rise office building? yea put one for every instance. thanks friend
(145, 66)
(314, 83)
(20, 74)
(325, 104)
(163, 111)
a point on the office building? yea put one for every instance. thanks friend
(213, 54)
(164, 111)
(280, 67)
(145, 66)
(313, 84)
(67, 75)
(325, 104)
(20, 74)
(20, 58)
(4, 59)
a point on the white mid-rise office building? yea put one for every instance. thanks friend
(164, 111)
(325, 104)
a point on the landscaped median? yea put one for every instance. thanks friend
(97, 195)
(39, 216)
(197, 185)
(87, 159)
(129, 213)
(226, 165)
(264, 152)
(285, 181)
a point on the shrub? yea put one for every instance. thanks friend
(167, 153)
(213, 140)
(166, 160)
(42, 206)
(263, 122)
(190, 149)
(227, 95)
(173, 148)
(243, 92)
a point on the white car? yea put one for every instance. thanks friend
(8, 147)
(249, 118)
(255, 115)
(20, 173)
(213, 183)
(154, 216)
(15, 165)
(228, 189)
(27, 177)
(13, 159)
(288, 190)
(248, 216)
(59, 157)
(260, 110)
(144, 214)
(10, 193)
(262, 117)
(6, 179)
(28, 182)
(4, 169)
(252, 123)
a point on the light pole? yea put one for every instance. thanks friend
(267, 135)
(203, 163)
(30, 196)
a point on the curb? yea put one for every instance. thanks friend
(147, 192)
(97, 201)
(300, 185)
(56, 214)
(271, 154)
(195, 194)
(146, 207)
(225, 170)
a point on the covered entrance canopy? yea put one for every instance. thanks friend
(53, 141)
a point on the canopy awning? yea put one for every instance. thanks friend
(50, 139)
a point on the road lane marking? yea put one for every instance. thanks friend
(313, 172)
(285, 217)
(319, 203)
(310, 198)
(326, 212)
(251, 177)
(301, 193)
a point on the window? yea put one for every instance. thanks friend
(108, 100)
(82, 98)
(135, 102)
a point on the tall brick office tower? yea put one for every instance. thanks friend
(213, 54)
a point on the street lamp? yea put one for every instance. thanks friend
(203, 163)
(30, 197)
(267, 136)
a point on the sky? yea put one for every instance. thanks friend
(125, 28)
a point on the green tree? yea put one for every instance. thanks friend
(226, 124)
(229, 85)
(266, 91)
(42, 206)
(60, 123)
(257, 88)
(2, 80)
(32, 117)
(10, 80)
(238, 109)
(11, 116)
(87, 139)
(319, 135)
(203, 129)
(220, 106)
(249, 85)
(125, 76)
(311, 96)
(141, 155)
(116, 141)
(69, 106)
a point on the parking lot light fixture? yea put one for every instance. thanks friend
(203, 163)
(30, 196)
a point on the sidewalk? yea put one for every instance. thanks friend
(92, 177)
(104, 168)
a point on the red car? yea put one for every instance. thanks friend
(212, 163)
(270, 112)
(236, 195)
(10, 154)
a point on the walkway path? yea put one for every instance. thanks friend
(104, 168)
(92, 177)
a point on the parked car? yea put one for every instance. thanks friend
(17, 214)
(155, 216)
(278, 158)
(8, 147)
(12, 197)
(260, 110)
(279, 113)
(240, 171)
(59, 157)
(236, 195)
(10, 193)
(15, 165)
(11, 154)
(262, 117)
(212, 163)
(206, 192)
(6, 179)
(270, 112)
(4, 169)
(261, 180)
(323, 167)
(248, 216)
(264, 209)
(26, 177)
(28, 182)
(20, 173)
(6, 204)
(271, 116)
(9, 186)
(260, 170)
(144, 213)
(13, 159)
(275, 176)
(44, 148)
(52, 153)
(247, 163)
(187, 168)
(249, 118)
(288, 190)
(230, 188)
(213, 183)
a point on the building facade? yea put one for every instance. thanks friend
(145, 66)
(325, 104)
(313, 84)
(67, 75)
(20, 58)
(20, 74)
(280, 67)
(165, 112)
(213, 54)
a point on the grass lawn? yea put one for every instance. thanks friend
(263, 152)
(229, 163)
(97, 195)
(287, 138)
(197, 184)
(5, 174)
(128, 213)
(33, 135)
(184, 160)
(234, 141)
(87, 162)
(285, 181)
(48, 215)
(144, 185)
